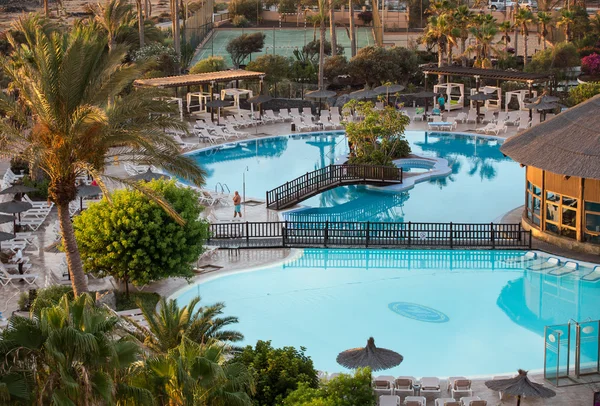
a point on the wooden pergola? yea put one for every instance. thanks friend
(211, 78)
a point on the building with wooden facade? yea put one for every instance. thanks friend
(562, 188)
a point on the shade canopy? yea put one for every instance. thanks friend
(384, 89)
(320, 94)
(149, 176)
(363, 94)
(519, 386)
(88, 190)
(6, 219)
(567, 144)
(218, 103)
(261, 98)
(14, 207)
(542, 105)
(6, 236)
(481, 96)
(370, 356)
(200, 78)
(423, 95)
(15, 189)
(544, 98)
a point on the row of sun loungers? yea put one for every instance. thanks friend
(555, 266)
(9, 178)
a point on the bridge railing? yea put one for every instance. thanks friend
(327, 177)
(370, 234)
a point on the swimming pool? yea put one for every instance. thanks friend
(450, 313)
(480, 187)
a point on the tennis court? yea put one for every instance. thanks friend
(278, 41)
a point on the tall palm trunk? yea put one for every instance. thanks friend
(332, 29)
(516, 42)
(524, 45)
(74, 263)
(141, 21)
(463, 47)
(46, 9)
(175, 25)
(352, 34)
(321, 51)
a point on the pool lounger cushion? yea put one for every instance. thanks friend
(549, 264)
(593, 276)
(529, 256)
(567, 268)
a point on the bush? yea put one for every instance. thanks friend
(240, 21)
(220, 7)
(277, 371)
(583, 91)
(335, 66)
(50, 296)
(246, 8)
(165, 58)
(210, 64)
(143, 300)
(241, 47)
(375, 65)
(591, 64)
(40, 184)
(18, 164)
(135, 240)
(366, 17)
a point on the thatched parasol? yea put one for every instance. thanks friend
(363, 94)
(218, 104)
(370, 356)
(16, 189)
(477, 97)
(424, 95)
(149, 176)
(519, 386)
(6, 236)
(15, 207)
(385, 89)
(545, 146)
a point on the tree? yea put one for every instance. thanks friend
(210, 64)
(379, 138)
(134, 240)
(277, 371)
(111, 16)
(61, 124)
(566, 20)
(523, 18)
(169, 324)
(544, 19)
(141, 21)
(69, 354)
(351, 29)
(506, 27)
(435, 33)
(556, 61)
(241, 47)
(247, 8)
(276, 68)
(463, 18)
(335, 66)
(583, 91)
(333, 34)
(484, 36)
(375, 65)
(343, 390)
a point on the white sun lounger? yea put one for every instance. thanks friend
(567, 268)
(285, 115)
(389, 400)
(404, 385)
(472, 401)
(415, 401)
(549, 264)
(300, 126)
(461, 385)
(6, 277)
(430, 385)
(461, 117)
(295, 113)
(489, 117)
(487, 128)
(593, 276)
(528, 256)
(524, 124)
(307, 113)
(182, 143)
(447, 402)
(383, 385)
(38, 204)
(472, 116)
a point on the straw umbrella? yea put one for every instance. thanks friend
(424, 95)
(17, 189)
(320, 94)
(363, 94)
(15, 207)
(86, 191)
(477, 97)
(542, 105)
(520, 386)
(387, 89)
(218, 104)
(149, 176)
(259, 100)
(6, 236)
(370, 356)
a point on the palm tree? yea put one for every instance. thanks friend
(61, 123)
(141, 21)
(111, 16)
(566, 20)
(332, 33)
(523, 18)
(484, 36)
(175, 27)
(544, 18)
(463, 18)
(170, 323)
(351, 29)
(506, 28)
(321, 17)
(70, 353)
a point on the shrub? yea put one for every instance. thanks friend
(335, 66)
(276, 67)
(366, 17)
(240, 21)
(583, 92)
(40, 184)
(246, 8)
(220, 7)
(241, 47)
(50, 296)
(591, 64)
(143, 300)
(134, 240)
(164, 56)
(210, 64)
(18, 164)
(277, 371)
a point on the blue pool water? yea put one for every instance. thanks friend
(450, 313)
(483, 184)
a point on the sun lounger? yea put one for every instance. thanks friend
(470, 400)
(447, 402)
(527, 257)
(435, 118)
(461, 386)
(567, 268)
(300, 126)
(472, 116)
(502, 117)
(134, 315)
(404, 385)
(271, 115)
(461, 117)
(285, 115)
(220, 133)
(549, 264)
(415, 401)
(335, 120)
(496, 128)
(383, 385)
(489, 117)
(512, 118)
(38, 204)
(593, 276)
(6, 277)
(487, 128)
(295, 113)
(182, 143)
(524, 124)
(205, 135)
(430, 385)
(307, 113)
(389, 400)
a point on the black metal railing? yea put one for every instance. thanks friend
(331, 176)
(369, 234)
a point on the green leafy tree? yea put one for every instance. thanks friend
(379, 138)
(132, 238)
(61, 123)
(246, 8)
(343, 390)
(210, 64)
(170, 323)
(241, 47)
(556, 61)
(335, 66)
(583, 91)
(276, 67)
(277, 371)
(375, 65)
(68, 354)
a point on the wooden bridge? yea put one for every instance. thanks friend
(330, 177)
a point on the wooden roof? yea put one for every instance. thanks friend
(567, 144)
(487, 73)
(199, 78)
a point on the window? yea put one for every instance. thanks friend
(592, 222)
(534, 203)
(561, 214)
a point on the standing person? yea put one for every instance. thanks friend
(237, 203)
(441, 102)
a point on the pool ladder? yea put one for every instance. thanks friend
(223, 187)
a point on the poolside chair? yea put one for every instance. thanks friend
(549, 264)
(512, 118)
(383, 385)
(528, 256)
(472, 116)
(300, 126)
(404, 384)
(270, 114)
(502, 116)
(435, 118)
(183, 144)
(295, 113)
(415, 401)
(285, 115)
(593, 276)
(567, 268)
(498, 127)
(307, 113)
(220, 133)
(473, 401)
(489, 117)
(389, 400)
(324, 121)
(430, 385)
(461, 117)
(334, 110)
(487, 128)
(204, 134)
(229, 129)
(38, 204)
(447, 402)
(6, 277)
(524, 124)
(335, 120)
(461, 386)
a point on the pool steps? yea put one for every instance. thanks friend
(555, 266)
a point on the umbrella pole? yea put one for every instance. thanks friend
(477, 118)
(519, 400)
